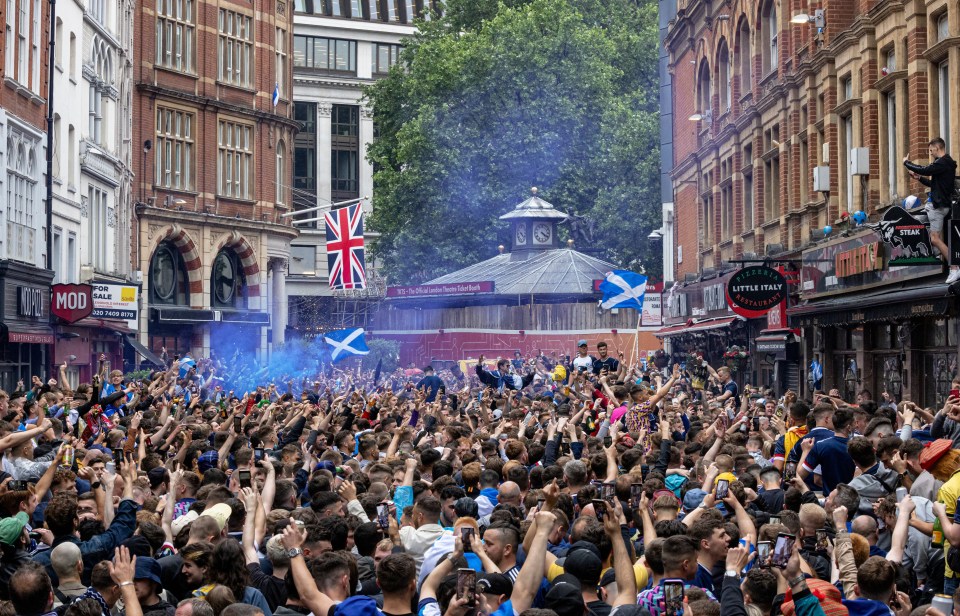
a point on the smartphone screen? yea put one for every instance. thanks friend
(789, 471)
(244, 478)
(672, 597)
(763, 553)
(258, 453)
(383, 515)
(822, 541)
(775, 520)
(540, 502)
(117, 457)
(466, 535)
(782, 550)
(608, 491)
(636, 492)
(723, 488)
(607, 441)
(954, 393)
(467, 585)
(600, 507)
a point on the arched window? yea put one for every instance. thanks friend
(704, 94)
(228, 285)
(744, 57)
(724, 84)
(169, 284)
(281, 172)
(769, 31)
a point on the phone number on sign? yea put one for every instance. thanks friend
(127, 315)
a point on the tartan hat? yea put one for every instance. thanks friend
(826, 592)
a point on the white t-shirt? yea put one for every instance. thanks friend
(585, 363)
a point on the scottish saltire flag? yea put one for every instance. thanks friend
(623, 289)
(345, 251)
(276, 94)
(186, 363)
(816, 373)
(346, 343)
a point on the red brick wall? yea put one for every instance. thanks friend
(25, 107)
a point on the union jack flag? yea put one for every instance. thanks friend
(345, 258)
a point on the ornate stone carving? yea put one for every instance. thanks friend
(111, 217)
(366, 113)
(84, 212)
(324, 110)
(154, 230)
(281, 8)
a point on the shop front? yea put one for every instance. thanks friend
(26, 338)
(888, 330)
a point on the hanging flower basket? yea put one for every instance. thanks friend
(736, 358)
(697, 368)
(661, 359)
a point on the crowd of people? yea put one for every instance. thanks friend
(550, 485)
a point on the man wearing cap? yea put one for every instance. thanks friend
(586, 566)
(583, 362)
(15, 542)
(146, 581)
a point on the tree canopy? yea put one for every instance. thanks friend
(492, 99)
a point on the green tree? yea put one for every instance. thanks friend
(495, 98)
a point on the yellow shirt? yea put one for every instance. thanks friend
(948, 495)
(791, 438)
(640, 573)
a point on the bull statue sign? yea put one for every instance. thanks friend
(908, 238)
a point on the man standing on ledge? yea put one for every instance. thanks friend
(939, 176)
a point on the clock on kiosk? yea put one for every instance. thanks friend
(542, 233)
(520, 237)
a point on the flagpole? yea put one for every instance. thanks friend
(320, 207)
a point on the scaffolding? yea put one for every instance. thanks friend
(356, 307)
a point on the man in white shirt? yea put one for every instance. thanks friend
(426, 529)
(582, 362)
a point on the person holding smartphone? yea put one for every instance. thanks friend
(679, 555)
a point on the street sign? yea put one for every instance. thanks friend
(71, 302)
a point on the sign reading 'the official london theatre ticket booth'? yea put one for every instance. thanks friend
(757, 288)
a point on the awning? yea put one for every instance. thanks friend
(27, 334)
(116, 326)
(182, 315)
(892, 304)
(772, 341)
(144, 352)
(701, 326)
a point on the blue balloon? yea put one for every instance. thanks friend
(827, 230)
(860, 217)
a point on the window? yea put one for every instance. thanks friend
(101, 60)
(169, 284)
(384, 56)
(708, 222)
(281, 173)
(174, 151)
(325, 54)
(235, 164)
(748, 223)
(97, 206)
(771, 185)
(22, 34)
(410, 11)
(59, 43)
(22, 178)
(704, 94)
(56, 255)
(805, 174)
(846, 88)
(726, 84)
(236, 48)
(73, 56)
(745, 57)
(35, 71)
(281, 51)
(893, 165)
(72, 270)
(98, 10)
(305, 159)
(393, 10)
(890, 60)
(943, 100)
(333, 8)
(847, 131)
(356, 11)
(345, 156)
(95, 114)
(770, 28)
(57, 144)
(943, 27)
(303, 6)
(228, 285)
(71, 157)
(374, 8)
(726, 212)
(175, 34)
(8, 40)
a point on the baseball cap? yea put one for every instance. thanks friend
(581, 343)
(207, 460)
(183, 521)
(583, 545)
(219, 512)
(11, 528)
(585, 566)
(157, 476)
(494, 584)
(147, 568)
(693, 498)
(565, 597)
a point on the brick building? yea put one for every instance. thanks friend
(791, 125)
(213, 177)
(26, 338)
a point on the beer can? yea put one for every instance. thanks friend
(944, 603)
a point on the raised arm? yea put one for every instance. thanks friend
(531, 574)
(623, 568)
(310, 595)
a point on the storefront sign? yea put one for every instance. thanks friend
(907, 237)
(30, 302)
(116, 302)
(756, 289)
(866, 258)
(772, 344)
(954, 241)
(71, 302)
(818, 276)
(433, 290)
(29, 338)
(652, 314)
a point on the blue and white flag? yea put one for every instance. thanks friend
(623, 289)
(346, 343)
(186, 363)
(816, 373)
(276, 94)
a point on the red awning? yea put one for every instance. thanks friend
(700, 326)
(118, 326)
